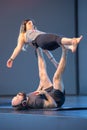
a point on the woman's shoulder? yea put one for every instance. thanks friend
(21, 37)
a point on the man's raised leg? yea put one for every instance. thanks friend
(57, 79)
(45, 81)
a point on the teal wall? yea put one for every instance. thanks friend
(55, 16)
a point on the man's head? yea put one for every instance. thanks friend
(19, 102)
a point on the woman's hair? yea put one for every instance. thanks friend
(23, 30)
(23, 25)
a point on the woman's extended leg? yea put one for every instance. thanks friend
(71, 43)
(53, 41)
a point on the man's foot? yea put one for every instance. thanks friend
(73, 48)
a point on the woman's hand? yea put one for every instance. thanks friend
(9, 63)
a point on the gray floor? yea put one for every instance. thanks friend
(72, 116)
(74, 106)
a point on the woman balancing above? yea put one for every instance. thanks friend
(29, 34)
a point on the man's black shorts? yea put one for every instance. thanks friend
(57, 95)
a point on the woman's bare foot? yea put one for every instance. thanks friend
(75, 42)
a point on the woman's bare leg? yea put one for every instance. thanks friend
(71, 43)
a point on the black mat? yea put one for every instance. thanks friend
(48, 109)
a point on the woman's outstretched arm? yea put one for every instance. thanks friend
(16, 51)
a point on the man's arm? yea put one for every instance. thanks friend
(49, 102)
